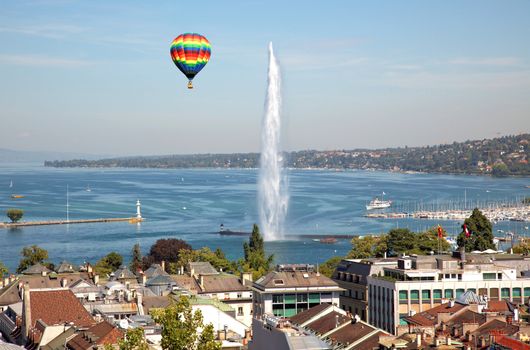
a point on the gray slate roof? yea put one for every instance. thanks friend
(160, 280)
(66, 267)
(36, 269)
(124, 273)
(154, 270)
(202, 268)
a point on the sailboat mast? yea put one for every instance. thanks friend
(67, 205)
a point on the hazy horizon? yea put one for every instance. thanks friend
(97, 78)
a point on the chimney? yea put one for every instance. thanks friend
(246, 278)
(43, 273)
(462, 256)
(144, 278)
(384, 256)
(201, 281)
(163, 264)
(26, 312)
(96, 279)
(63, 282)
(88, 268)
(448, 341)
(418, 340)
(336, 321)
(451, 303)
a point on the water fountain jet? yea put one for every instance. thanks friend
(272, 189)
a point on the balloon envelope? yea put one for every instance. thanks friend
(190, 53)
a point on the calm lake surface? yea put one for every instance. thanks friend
(191, 204)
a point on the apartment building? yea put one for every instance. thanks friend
(291, 289)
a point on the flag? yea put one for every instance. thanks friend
(466, 231)
(440, 232)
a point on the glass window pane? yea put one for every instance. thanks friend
(505, 292)
(314, 298)
(527, 292)
(414, 294)
(516, 292)
(426, 295)
(459, 292)
(301, 298)
(290, 298)
(449, 293)
(437, 294)
(403, 295)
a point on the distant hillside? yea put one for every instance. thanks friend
(15, 156)
(502, 156)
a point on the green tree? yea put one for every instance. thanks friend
(429, 241)
(15, 214)
(368, 247)
(521, 248)
(109, 263)
(180, 325)
(481, 235)
(401, 241)
(500, 170)
(136, 261)
(30, 256)
(134, 340)
(254, 255)
(3, 270)
(329, 266)
(526, 200)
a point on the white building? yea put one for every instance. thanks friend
(419, 283)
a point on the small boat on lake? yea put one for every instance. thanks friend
(16, 196)
(328, 240)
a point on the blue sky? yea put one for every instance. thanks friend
(96, 76)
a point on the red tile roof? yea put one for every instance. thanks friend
(430, 317)
(328, 322)
(306, 315)
(511, 343)
(498, 306)
(60, 306)
(102, 333)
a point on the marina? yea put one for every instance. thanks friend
(494, 214)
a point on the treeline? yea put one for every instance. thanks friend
(502, 156)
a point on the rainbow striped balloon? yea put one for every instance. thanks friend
(190, 53)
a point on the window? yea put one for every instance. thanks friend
(403, 296)
(459, 292)
(289, 298)
(301, 298)
(499, 276)
(505, 293)
(437, 294)
(516, 292)
(489, 276)
(472, 290)
(414, 295)
(277, 298)
(314, 298)
(239, 295)
(527, 292)
(240, 311)
(426, 296)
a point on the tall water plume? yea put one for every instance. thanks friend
(272, 186)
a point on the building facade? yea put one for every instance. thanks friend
(419, 283)
(291, 289)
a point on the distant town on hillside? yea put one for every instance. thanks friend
(501, 156)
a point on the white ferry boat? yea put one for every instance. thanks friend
(377, 203)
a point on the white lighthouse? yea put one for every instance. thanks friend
(138, 210)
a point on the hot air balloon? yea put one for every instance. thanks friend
(190, 53)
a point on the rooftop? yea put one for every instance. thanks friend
(102, 333)
(280, 280)
(201, 268)
(56, 307)
(222, 282)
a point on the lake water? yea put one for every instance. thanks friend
(191, 204)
